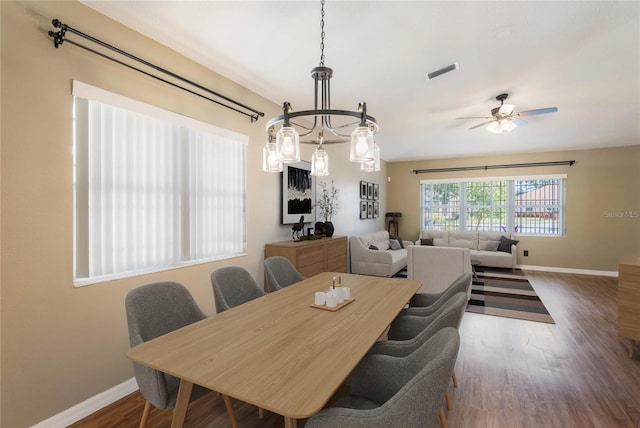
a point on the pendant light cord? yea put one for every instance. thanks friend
(322, 33)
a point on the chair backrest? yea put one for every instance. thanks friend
(153, 310)
(280, 273)
(461, 284)
(407, 333)
(233, 286)
(408, 390)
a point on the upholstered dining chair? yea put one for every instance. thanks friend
(410, 331)
(153, 310)
(426, 304)
(388, 391)
(280, 273)
(233, 286)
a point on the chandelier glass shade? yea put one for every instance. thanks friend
(322, 125)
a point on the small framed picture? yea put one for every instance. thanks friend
(363, 190)
(369, 190)
(363, 209)
(375, 209)
(376, 195)
(369, 209)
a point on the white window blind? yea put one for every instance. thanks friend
(153, 189)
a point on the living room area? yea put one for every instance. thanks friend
(64, 344)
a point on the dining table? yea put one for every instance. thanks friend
(280, 352)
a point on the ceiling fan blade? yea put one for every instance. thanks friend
(506, 109)
(482, 124)
(518, 121)
(475, 117)
(538, 111)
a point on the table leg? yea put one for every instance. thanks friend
(182, 404)
(290, 422)
(633, 342)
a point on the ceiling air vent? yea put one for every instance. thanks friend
(442, 71)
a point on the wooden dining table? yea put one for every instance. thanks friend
(278, 352)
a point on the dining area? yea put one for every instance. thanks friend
(290, 348)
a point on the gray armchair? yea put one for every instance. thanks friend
(389, 391)
(153, 310)
(233, 286)
(426, 304)
(280, 273)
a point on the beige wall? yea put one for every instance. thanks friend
(601, 184)
(62, 345)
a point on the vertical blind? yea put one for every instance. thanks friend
(152, 191)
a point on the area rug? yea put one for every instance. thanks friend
(506, 293)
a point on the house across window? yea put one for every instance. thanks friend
(152, 189)
(522, 205)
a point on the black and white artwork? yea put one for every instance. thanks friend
(298, 192)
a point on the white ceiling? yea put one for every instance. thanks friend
(582, 57)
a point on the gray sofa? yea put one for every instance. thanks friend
(381, 262)
(482, 245)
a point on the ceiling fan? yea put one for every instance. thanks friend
(503, 119)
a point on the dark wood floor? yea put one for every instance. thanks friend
(512, 373)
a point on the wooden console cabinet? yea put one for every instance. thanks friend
(312, 257)
(629, 303)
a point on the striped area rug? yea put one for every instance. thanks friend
(506, 293)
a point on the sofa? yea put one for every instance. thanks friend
(437, 267)
(381, 261)
(493, 249)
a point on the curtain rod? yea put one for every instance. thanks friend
(59, 37)
(487, 167)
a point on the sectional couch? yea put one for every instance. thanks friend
(493, 249)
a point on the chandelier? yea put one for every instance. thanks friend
(328, 127)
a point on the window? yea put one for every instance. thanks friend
(152, 189)
(523, 205)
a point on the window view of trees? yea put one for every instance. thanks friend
(531, 206)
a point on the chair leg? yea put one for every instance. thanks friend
(443, 419)
(260, 413)
(454, 378)
(447, 397)
(145, 414)
(232, 415)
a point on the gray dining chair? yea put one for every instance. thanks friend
(233, 286)
(408, 332)
(280, 273)
(388, 391)
(153, 310)
(426, 303)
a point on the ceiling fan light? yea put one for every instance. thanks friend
(507, 125)
(288, 142)
(362, 145)
(494, 127)
(320, 163)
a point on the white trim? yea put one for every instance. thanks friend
(92, 405)
(570, 270)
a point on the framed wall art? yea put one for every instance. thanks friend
(363, 190)
(369, 209)
(369, 191)
(376, 195)
(298, 195)
(376, 209)
(363, 209)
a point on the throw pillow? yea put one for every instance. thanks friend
(492, 245)
(394, 244)
(373, 247)
(397, 238)
(505, 244)
(426, 241)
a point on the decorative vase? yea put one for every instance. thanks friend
(328, 229)
(319, 229)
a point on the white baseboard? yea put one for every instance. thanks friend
(570, 270)
(89, 406)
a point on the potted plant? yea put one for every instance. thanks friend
(328, 205)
